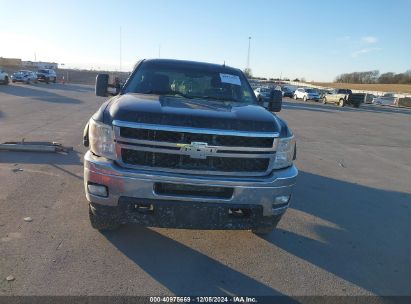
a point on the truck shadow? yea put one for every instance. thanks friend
(56, 160)
(70, 158)
(362, 236)
(38, 94)
(182, 269)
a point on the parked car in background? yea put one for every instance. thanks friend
(4, 77)
(306, 94)
(47, 75)
(338, 96)
(388, 99)
(369, 98)
(24, 76)
(262, 93)
(287, 91)
(343, 97)
(321, 93)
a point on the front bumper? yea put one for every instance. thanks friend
(128, 189)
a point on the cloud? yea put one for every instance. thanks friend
(369, 39)
(364, 51)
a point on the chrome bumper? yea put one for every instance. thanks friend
(123, 182)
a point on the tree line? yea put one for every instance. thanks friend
(375, 77)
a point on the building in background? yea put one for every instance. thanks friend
(7, 62)
(35, 65)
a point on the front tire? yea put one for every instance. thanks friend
(101, 221)
(295, 97)
(6, 80)
(47, 80)
(341, 103)
(304, 98)
(324, 100)
(55, 80)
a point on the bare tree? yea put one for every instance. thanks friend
(248, 73)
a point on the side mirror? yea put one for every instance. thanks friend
(102, 85)
(276, 101)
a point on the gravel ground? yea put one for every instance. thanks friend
(348, 231)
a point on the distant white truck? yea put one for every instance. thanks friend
(388, 99)
(4, 77)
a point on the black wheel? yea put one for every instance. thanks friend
(6, 80)
(341, 103)
(28, 81)
(263, 231)
(295, 96)
(47, 80)
(55, 80)
(101, 221)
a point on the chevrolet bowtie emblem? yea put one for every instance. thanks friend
(198, 150)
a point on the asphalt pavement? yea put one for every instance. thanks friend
(347, 232)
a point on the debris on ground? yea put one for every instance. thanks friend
(28, 219)
(17, 170)
(10, 278)
(24, 146)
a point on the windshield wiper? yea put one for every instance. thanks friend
(175, 93)
(216, 98)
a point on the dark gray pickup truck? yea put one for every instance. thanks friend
(186, 145)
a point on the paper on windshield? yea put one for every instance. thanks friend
(232, 79)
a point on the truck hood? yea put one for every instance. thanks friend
(196, 113)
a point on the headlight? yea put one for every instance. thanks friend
(101, 139)
(285, 153)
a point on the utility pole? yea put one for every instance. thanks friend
(120, 49)
(248, 56)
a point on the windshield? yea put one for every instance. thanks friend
(310, 91)
(43, 71)
(191, 81)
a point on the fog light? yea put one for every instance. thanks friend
(98, 190)
(281, 201)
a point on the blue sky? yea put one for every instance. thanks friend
(316, 40)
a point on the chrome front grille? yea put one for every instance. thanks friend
(194, 151)
(187, 138)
